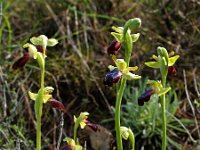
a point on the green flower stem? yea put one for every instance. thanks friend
(117, 113)
(164, 120)
(40, 107)
(120, 92)
(75, 131)
(132, 139)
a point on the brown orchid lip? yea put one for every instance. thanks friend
(171, 71)
(145, 97)
(114, 48)
(21, 61)
(94, 127)
(56, 104)
(40, 49)
(112, 77)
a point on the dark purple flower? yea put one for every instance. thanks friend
(145, 97)
(114, 47)
(94, 127)
(112, 77)
(56, 104)
(171, 71)
(21, 61)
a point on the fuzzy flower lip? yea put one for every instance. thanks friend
(155, 88)
(20, 63)
(56, 104)
(171, 71)
(92, 126)
(114, 48)
(145, 97)
(121, 70)
(112, 77)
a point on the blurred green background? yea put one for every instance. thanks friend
(77, 65)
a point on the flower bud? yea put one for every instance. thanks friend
(145, 97)
(112, 77)
(171, 71)
(21, 61)
(56, 104)
(114, 48)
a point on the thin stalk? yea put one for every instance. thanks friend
(61, 131)
(132, 139)
(117, 113)
(164, 120)
(40, 108)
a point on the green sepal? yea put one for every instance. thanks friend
(117, 36)
(118, 29)
(163, 91)
(172, 60)
(72, 143)
(40, 40)
(82, 125)
(32, 50)
(135, 37)
(111, 67)
(52, 42)
(33, 96)
(157, 85)
(131, 76)
(69, 141)
(121, 64)
(153, 64)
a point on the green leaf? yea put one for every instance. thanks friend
(152, 64)
(131, 76)
(121, 64)
(52, 42)
(164, 91)
(117, 36)
(172, 60)
(135, 37)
